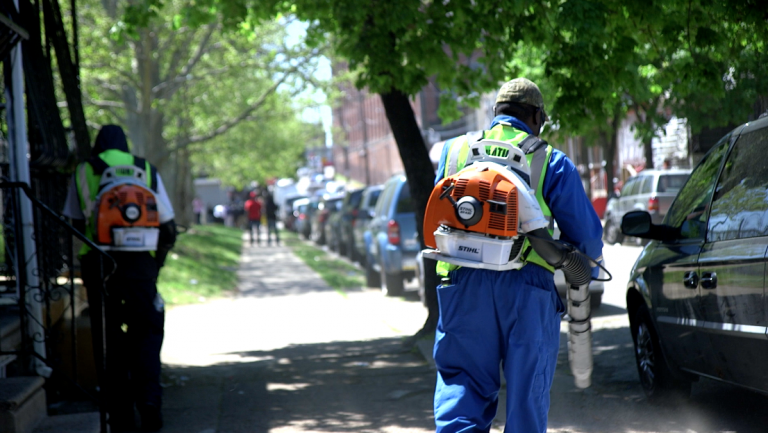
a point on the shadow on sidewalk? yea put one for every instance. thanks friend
(364, 386)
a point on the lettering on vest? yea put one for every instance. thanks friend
(469, 249)
(499, 151)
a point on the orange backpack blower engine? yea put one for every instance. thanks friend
(475, 217)
(126, 213)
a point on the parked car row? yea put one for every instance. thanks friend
(375, 226)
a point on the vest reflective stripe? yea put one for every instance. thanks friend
(87, 183)
(83, 191)
(542, 156)
(457, 154)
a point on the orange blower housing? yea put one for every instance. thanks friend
(486, 203)
(127, 218)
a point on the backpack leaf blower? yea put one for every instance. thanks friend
(480, 218)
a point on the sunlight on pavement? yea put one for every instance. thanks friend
(231, 330)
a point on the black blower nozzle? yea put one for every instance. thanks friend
(575, 266)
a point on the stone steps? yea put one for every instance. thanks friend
(22, 404)
(73, 423)
(23, 410)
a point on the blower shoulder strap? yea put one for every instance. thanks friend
(141, 163)
(537, 146)
(531, 143)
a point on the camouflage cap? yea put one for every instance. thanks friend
(521, 91)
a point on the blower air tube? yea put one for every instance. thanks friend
(574, 265)
(578, 273)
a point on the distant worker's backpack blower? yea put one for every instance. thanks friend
(126, 214)
(480, 218)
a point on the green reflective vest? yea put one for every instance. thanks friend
(87, 182)
(457, 159)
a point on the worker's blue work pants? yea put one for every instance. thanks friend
(134, 324)
(488, 318)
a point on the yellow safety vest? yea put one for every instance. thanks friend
(456, 159)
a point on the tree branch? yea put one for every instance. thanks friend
(167, 88)
(231, 123)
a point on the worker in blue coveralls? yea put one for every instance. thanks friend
(509, 318)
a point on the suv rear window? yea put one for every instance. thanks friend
(373, 197)
(671, 182)
(354, 199)
(405, 202)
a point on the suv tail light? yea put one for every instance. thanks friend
(653, 204)
(393, 232)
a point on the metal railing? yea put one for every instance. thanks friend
(56, 274)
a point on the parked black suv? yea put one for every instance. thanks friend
(696, 296)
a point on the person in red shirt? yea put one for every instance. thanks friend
(253, 210)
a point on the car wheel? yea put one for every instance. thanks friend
(595, 300)
(612, 233)
(341, 246)
(372, 278)
(656, 376)
(351, 253)
(391, 284)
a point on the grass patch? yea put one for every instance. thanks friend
(336, 273)
(202, 265)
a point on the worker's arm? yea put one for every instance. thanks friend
(443, 160)
(165, 242)
(576, 217)
(167, 237)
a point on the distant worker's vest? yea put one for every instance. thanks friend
(117, 194)
(456, 159)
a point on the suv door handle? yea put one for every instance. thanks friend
(709, 280)
(691, 280)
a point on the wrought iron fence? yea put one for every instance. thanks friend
(56, 275)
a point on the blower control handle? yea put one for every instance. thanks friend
(574, 265)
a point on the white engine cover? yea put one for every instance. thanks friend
(473, 250)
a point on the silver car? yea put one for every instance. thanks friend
(650, 190)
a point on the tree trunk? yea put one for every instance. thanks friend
(421, 180)
(609, 150)
(648, 151)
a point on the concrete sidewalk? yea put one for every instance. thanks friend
(276, 356)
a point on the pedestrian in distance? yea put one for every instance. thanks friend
(252, 208)
(270, 208)
(512, 318)
(118, 200)
(198, 207)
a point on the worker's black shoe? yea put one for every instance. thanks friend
(151, 418)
